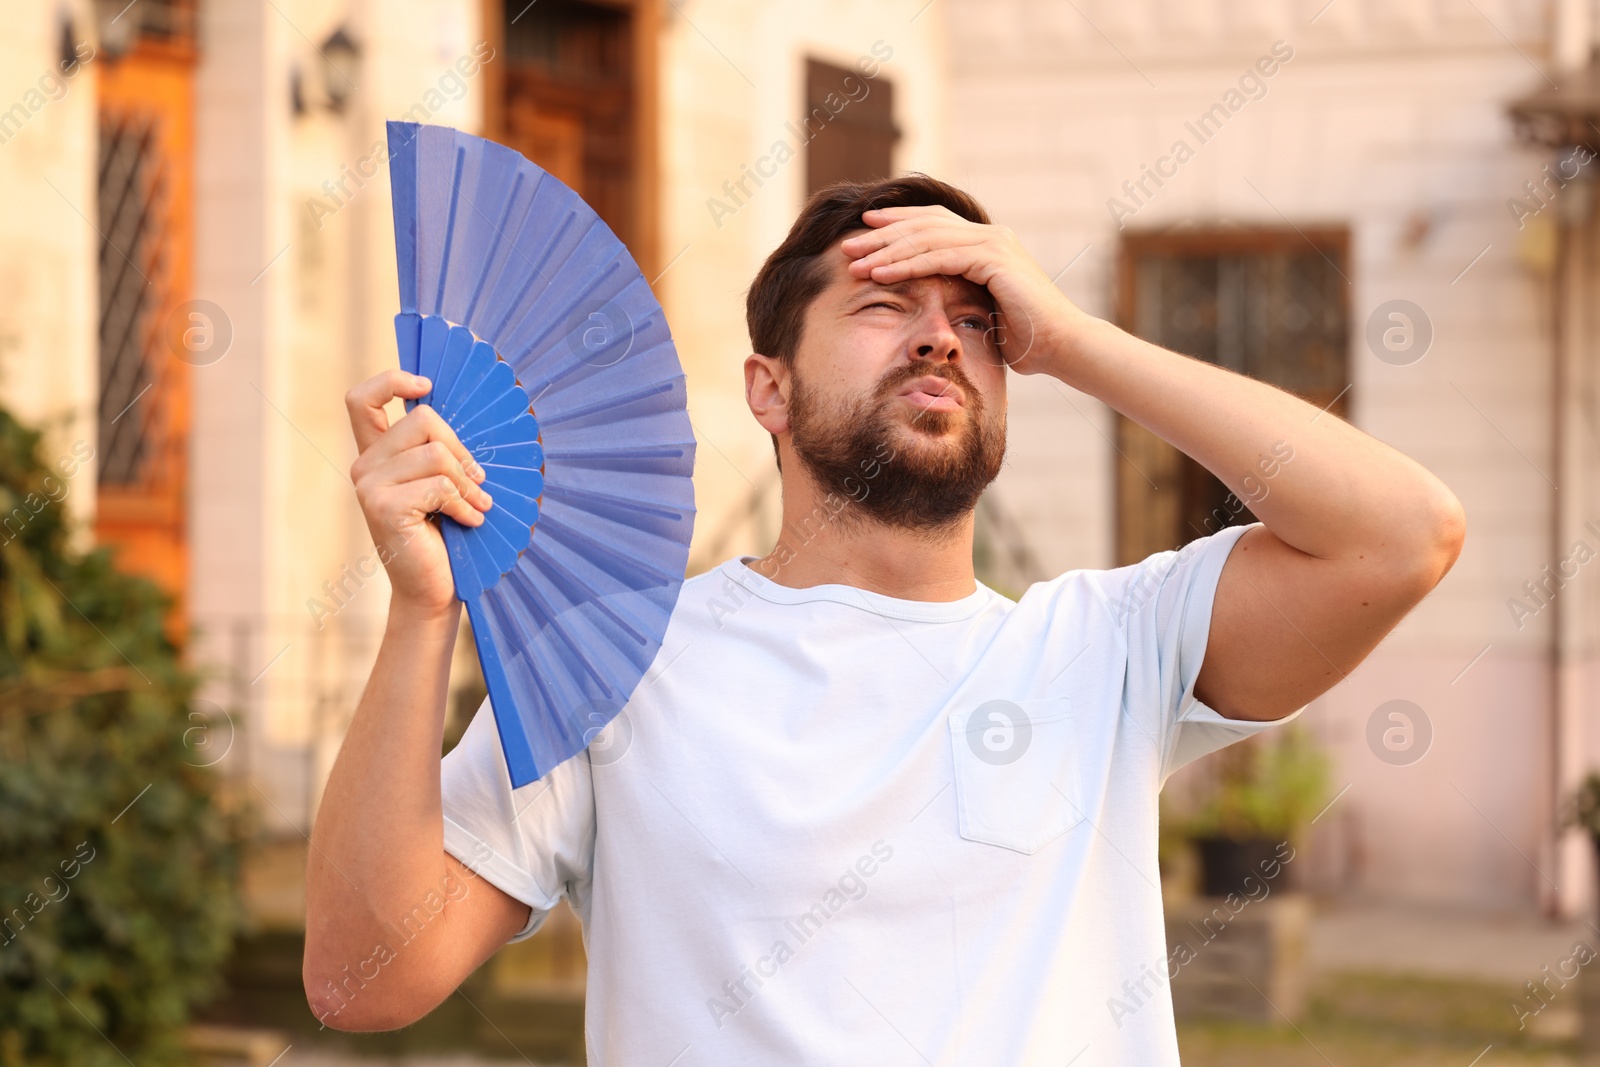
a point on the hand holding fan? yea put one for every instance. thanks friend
(550, 358)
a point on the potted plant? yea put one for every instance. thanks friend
(1584, 809)
(1262, 795)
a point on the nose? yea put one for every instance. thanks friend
(936, 340)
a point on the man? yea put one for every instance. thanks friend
(864, 810)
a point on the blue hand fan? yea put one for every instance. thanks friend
(551, 360)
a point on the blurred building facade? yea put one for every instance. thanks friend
(205, 264)
(201, 263)
(1332, 196)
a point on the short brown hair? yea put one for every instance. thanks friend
(793, 275)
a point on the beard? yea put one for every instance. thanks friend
(923, 474)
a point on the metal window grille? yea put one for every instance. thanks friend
(132, 261)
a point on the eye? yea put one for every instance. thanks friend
(980, 321)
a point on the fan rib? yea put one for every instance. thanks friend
(587, 594)
(514, 307)
(520, 759)
(617, 401)
(450, 226)
(489, 260)
(551, 627)
(569, 537)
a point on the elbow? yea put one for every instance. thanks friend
(353, 998)
(1440, 537)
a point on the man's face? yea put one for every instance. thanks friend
(897, 395)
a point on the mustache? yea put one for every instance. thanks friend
(903, 374)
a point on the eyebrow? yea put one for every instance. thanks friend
(971, 292)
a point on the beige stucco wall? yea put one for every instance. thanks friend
(48, 344)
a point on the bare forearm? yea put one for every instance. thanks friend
(378, 844)
(1341, 495)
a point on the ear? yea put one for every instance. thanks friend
(766, 390)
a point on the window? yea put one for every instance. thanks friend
(849, 126)
(1267, 303)
(143, 219)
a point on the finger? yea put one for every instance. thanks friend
(412, 502)
(952, 261)
(911, 245)
(365, 402)
(421, 425)
(862, 243)
(451, 504)
(888, 231)
(879, 216)
(920, 254)
(431, 459)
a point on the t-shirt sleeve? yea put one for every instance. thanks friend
(535, 843)
(1163, 606)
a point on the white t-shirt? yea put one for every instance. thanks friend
(835, 827)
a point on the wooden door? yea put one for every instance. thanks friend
(145, 226)
(572, 88)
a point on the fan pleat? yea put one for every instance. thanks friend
(544, 620)
(522, 430)
(644, 393)
(511, 288)
(646, 330)
(497, 249)
(620, 565)
(457, 350)
(480, 362)
(665, 459)
(501, 409)
(527, 454)
(636, 536)
(525, 509)
(524, 480)
(617, 507)
(513, 531)
(499, 381)
(434, 331)
(590, 274)
(619, 606)
(530, 287)
(606, 596)
(450, 226)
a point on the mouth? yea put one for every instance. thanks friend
(932, 393)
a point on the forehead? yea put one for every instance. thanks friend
(843, 285)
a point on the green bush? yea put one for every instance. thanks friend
(118, 866)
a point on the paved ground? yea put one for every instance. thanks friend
(323, 1059)
(1441, 942)
(1460, 968)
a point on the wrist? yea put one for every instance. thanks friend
(407, 612)
(1072, 336)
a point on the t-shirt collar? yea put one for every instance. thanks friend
(748, 578)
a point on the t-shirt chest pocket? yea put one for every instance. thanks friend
(1016, 768)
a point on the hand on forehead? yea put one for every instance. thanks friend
(953, 286)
